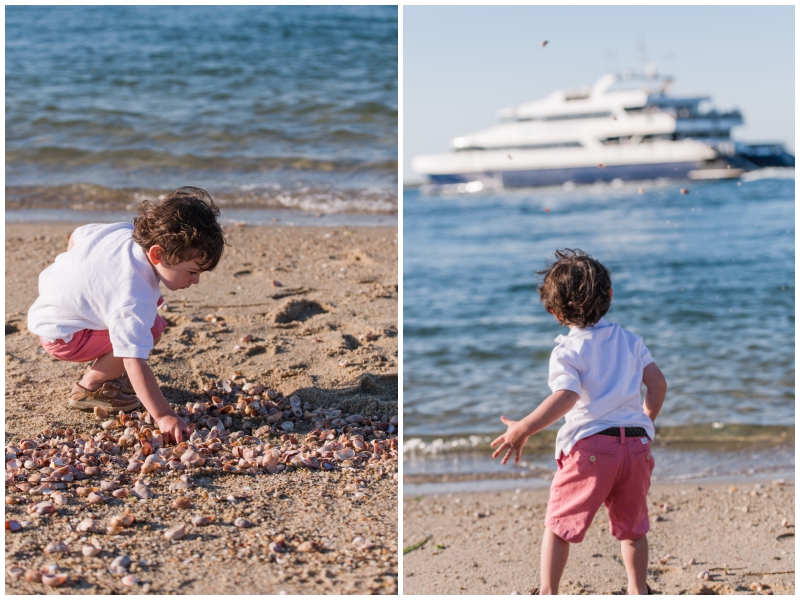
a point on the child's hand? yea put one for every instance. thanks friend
(173, 428)
(513, 439)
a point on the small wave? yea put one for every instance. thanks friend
(712, 436)
(769, 173)
(83, 196)
(135, 158)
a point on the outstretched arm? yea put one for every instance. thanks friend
(555, 406)
(656, 384)
(146, 386)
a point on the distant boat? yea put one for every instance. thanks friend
(623, 127)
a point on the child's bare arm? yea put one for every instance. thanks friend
(555, 406)
(71, 242)
(146, 386)
(656, 385)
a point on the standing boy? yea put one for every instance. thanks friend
(603, 450)
(98, 301)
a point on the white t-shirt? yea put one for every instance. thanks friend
(603, 364)
(104, 282)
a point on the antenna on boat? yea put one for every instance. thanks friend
(642, 49)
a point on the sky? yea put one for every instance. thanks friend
(462, 63)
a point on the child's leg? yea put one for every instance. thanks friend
(635, 556)
(105, 368)
(555, 552)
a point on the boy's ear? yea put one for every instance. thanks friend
(155, 254)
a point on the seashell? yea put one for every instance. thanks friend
(42, 508)
(200, 521)
(100, 412)
(13, 526)
(141, 490)
(181, 502)
(246, 339)
(129, 580)
(121, 493)
(56, 548)
(355, 418)
(32, 575)
(122, 520)
(91, 471)
(15, 572)
(127, 440)
(110, 424)
(704, 575)
(277, 547)
(305, 547)
(344, 454)
(242, 523)
(109, 486)
(96, 498)
(87, 525)
(90, 550)
(54, 580)
(120, 563)
(287, 425)
(272, 394)
(189, 456)
(176, 532)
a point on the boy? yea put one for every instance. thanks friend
(98, 301)
(603, 450)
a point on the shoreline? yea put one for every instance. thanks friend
(308, 297)
(488, 542)
(286, 217)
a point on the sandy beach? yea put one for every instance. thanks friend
(320, 305)
(489, 542)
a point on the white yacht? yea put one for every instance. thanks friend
(624, 127)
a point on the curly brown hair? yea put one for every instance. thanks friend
(184, 224)
(576, 288)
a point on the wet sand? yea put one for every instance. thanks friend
(309, 297)
(489, 542)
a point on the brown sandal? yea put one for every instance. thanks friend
(108, 396)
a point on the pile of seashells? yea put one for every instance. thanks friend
(56, 463)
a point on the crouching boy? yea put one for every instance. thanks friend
(98, 301)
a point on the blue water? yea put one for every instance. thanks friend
(265, 106)
(707, 279)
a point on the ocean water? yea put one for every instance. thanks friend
(706, 278)
(265, 106)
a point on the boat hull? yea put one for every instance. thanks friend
(576, 175)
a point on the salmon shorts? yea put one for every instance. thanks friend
(88, 344)
(602, 469)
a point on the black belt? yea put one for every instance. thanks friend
(629, 432)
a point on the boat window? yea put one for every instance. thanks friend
(595, 115)
(634, 110)
(524, 147)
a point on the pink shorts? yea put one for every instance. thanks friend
(89, 344)
(602, 469)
